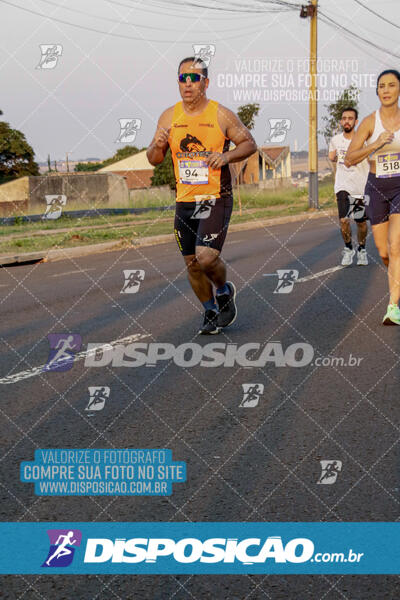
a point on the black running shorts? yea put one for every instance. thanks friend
(383, 197)
(202, 223)
(349, 210)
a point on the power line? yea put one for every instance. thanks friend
(328, 21)
(180, 14)
(226, 6)
(139, 25)
(377, 14)
(367, 31)
(110, 33)
(285, 6)
(365, 51)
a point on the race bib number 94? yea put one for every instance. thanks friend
(193, 172)
(388, 165)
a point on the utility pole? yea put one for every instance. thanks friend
(310, 10)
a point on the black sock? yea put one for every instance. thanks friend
(349, 245)
(361, 247)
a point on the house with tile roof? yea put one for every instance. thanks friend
(136, 170)
(269, 167)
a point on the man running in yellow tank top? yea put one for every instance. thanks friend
(199, 131)
(378, 139)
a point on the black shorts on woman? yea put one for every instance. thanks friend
(382, 197)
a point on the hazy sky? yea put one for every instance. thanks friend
(100, 78)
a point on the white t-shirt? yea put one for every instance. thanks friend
(349, 179)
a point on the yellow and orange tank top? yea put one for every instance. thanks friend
(191, 139)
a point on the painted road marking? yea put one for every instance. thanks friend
(128, 262)
(72, 272)
(309, 277)
(320, 274)
(78, 356)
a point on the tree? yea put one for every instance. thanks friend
(120, 154)
(348, 98)
(164, 172)
(88, 166)
(16, 155)
(246, 114)
(125, 152)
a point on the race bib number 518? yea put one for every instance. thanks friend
(388, 165)
(193, 172)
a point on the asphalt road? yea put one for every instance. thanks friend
(258, 463)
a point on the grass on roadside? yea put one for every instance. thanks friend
(66, 222)
(91, 230)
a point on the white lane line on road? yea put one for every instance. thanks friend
(320, 274)
(72, 272)
(78, 356)
(128, 262)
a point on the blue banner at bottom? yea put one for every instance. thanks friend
(50, 548)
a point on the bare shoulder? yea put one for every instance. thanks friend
(230, 123)
(227, 115)
(368, 123)
(165, 119)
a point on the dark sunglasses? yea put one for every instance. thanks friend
(194, 77)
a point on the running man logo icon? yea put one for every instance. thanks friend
(204, 52)
(278, 130)
(128, 130)
(357, 206)
(63, 543)
(286, 281)
(133, 279)
(329, 471)
(203, 208)
(98, 396)
(50, 55)
(251, 394)
(62, 349)
(55, 204)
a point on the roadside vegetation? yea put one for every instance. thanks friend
(67, 232)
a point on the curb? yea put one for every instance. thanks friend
(64, 253)
(259, 224)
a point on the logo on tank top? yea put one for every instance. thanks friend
(191, 146)
(190, 143)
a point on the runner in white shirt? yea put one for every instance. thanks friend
(349, 189)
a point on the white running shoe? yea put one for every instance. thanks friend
(362, 258)
(347, 257)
